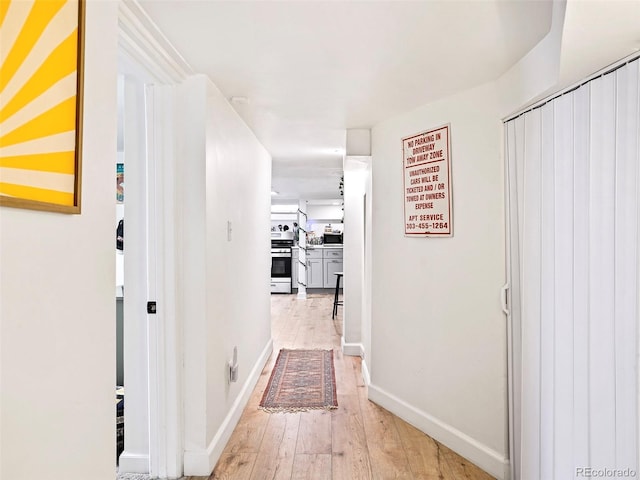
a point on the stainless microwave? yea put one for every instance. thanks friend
(332, 238)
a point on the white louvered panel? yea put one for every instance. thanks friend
(581, 191)
(601, 273)
(531, 261)
(547, 296)
(626, 259)
(513, 173)
(573, 170)
(563, 282)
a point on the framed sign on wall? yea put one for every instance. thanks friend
(41, 92)
(426, 165)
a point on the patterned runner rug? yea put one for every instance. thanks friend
(301, 380)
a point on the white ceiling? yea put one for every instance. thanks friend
(311, 69)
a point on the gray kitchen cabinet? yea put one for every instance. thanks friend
(314, 253)
(331, 266)
(294, 268)
(332, 263)
(314, 273)
(332, 253)
(322, 263)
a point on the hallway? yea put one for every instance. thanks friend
(359, 440)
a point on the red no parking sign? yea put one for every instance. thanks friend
(426, 164)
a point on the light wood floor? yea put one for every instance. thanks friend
(359, 440)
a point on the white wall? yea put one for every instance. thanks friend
(356, 173)
(238, 190)
(226, 298)
(438, 350)
(368, 280)
(316, 213)
(536, 74)
(57, 304)
(584, 37)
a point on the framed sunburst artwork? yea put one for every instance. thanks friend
(41, 65)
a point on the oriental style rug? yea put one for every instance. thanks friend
(301, 380)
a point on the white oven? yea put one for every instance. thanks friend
(281, 265)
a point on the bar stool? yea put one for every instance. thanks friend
(336, 302)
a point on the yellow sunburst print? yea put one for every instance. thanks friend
(39, 52)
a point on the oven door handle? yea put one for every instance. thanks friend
(281, 255)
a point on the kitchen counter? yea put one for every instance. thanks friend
(315, 247)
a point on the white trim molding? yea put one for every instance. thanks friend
(484, 457)
(143, 41)
(352, 349)
(133, 463)
(202, 462)
(366, 376)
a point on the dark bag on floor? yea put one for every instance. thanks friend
(120, 235)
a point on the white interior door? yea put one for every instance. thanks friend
(135, 458)
(164, 333)
(573, 176)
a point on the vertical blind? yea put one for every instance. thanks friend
(573, 170)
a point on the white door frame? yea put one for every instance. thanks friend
(165, 338)
(157, 63)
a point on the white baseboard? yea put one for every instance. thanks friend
(202, 462)
(366, 377)
(484, 457)
(352, 349)
(133, 463)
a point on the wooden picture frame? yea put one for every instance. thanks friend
(41, 104)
